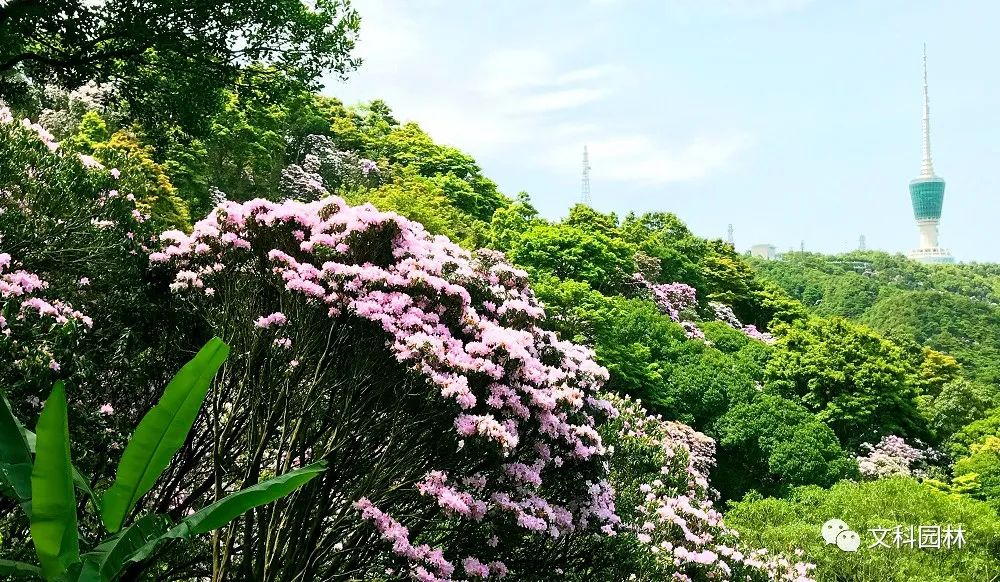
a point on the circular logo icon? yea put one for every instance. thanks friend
(832, 529)
(848, 540)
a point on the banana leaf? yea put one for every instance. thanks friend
(53, 505)
(161, 433)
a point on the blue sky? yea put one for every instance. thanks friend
(792, 119)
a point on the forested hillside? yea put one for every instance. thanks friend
(475, 391)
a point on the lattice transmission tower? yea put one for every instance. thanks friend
(585, 181)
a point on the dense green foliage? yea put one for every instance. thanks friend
(771, 444)
(794, 522)
(170, 61)
(792, 370)
(852, 379)
(950, 308)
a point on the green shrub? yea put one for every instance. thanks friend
(794, 523)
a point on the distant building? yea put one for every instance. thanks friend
(927, 196)
(764, 251)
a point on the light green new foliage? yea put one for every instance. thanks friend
(983, 465)
(795, 522)
(161, 433)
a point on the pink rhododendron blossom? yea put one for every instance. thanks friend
(677, 520)
(893, 456)
(106, 409)
(90, 162)
(19, 289)
(274, 320)
(675, 300)
(465, 322)
(725, 314)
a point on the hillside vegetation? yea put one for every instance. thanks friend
(491, 393)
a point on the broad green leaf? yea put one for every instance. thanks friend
(82, 483)
(19, 569)
(107, 560)
(161, 433)
(53, 506)
(15, 457)
(234, 505)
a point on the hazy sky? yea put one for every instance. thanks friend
(791, 119)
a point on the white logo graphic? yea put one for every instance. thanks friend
(837, 532)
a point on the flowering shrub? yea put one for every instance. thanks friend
(511, 408)
(24, 313)
(662, 467)
(676, 300)
(76, 302)
(725, 314)
(66, 108)
(322, 163)
(892, 456)
(50, 238)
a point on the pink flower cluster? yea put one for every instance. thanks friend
(18, 286)
(676, 519)
(324, 169)
(426, 564)
(725, 314)
(276, 319)
(674, 300)
(43, 134)
(467, 323)
(893, 456)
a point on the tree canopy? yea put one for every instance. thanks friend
(170, 60)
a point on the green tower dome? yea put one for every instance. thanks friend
(927, 197)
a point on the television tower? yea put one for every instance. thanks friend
(730, 238)
(927, 195)
(585, 182)
(861, 243)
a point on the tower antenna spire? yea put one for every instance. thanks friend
(926, 166)
(927, 195)
(585, 181)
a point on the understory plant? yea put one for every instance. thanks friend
(36, 469)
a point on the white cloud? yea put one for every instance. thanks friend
(532, 105)
(506, 71)
(641, 160)
(562, 99)
(595, 73)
